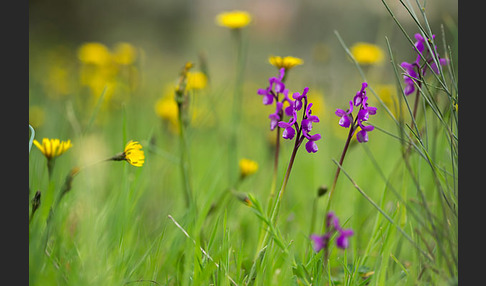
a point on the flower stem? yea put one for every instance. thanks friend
(276, 206)
(184, 161)
(338, 170)
(275, 170)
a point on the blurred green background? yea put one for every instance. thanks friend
(172, 32)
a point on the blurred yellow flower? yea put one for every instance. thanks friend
(366, 53)
(52, 148)
(94, 53)
(166, 108)
(247, 167)
(285, 62)
(388, 94)
(234, 19)
(36, 116)
(196, 80)
(124, 53)
(134, 153)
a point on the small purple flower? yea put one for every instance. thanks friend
(346, 116)
(307, 123)
(409, 77)
(275, 117)
(298, 98)
(311, 145)
(342, 240)
(271, 93)
(320, 242)
(267, 95)
(332, 226)
(362, 136)
(360, 95)
(289, 131)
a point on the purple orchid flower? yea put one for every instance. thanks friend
(289, 131)
(305, 126)
(332, 226)
(360, 95)
(275, 117)
(365, 111)
(346, 116)
(417, 70)
(342, 240)
(409, 77)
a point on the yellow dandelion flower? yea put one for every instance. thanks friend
(196, 81)
(94, 53)
(133, 154)
(285, 62)
(366, 53)
(234, 19)
(247, 167)
(52, 148)
(124, 53)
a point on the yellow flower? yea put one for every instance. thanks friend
(247, 167)
(52, 148)
(124, 54)
(134, 154)
(285, 62)
(196, 80)
(166, 108)
(234, 19)
(94, 53)
(366, 53)
(388, 94)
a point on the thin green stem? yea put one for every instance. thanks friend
(338, 170)
(184, 161)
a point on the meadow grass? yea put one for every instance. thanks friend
(184, 217)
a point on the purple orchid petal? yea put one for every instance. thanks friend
(306, 125)
(267, 99)
(311, 146)
(362, 136)
(372, 110)
(367, 128)
(288, 133)
(345, 121)
(283, 124)
(342, 240)
(363, 115)
(339, 112)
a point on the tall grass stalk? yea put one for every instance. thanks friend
(182, 98)
(237, 101)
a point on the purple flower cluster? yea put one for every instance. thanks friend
(332, 225)
(416, 70)
(346, 121)
(299, 101)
